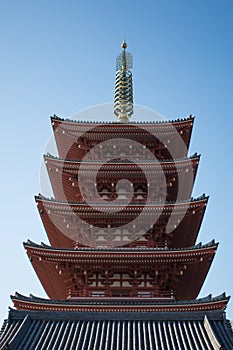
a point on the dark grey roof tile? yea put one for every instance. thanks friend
(32, 330)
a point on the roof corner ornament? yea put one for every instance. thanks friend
(123, 99)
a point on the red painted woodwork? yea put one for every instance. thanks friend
(64, 177)
(63, 227)
(160, 263)
(121, 273)
(75, 139)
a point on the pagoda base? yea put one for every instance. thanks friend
(116, 330)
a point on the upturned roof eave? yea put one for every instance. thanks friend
(202, 198)
(111, 123)
(212, 245)
(83, 305)
(50, 157)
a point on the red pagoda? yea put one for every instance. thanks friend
(123, 270)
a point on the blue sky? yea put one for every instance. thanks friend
(59, 57)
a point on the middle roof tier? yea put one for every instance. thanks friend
(155, 181)
(71, 225)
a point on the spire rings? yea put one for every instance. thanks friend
(123, 99)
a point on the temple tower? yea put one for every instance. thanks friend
(123, 269)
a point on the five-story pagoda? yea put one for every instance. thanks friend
(123, 270)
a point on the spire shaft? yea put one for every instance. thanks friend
(123, 101)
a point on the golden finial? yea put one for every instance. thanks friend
(124, 45)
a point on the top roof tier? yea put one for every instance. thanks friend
(122, 139)
(165, 140)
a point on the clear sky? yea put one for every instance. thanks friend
(59, 57)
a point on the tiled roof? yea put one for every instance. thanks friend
(202, 197)
(122, 304)
(178, 120)
(211, 244)
(120, 160)
(122, 301)
(115, 331)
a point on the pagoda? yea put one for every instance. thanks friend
(123, 269)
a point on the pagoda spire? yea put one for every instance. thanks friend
(123, 99)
